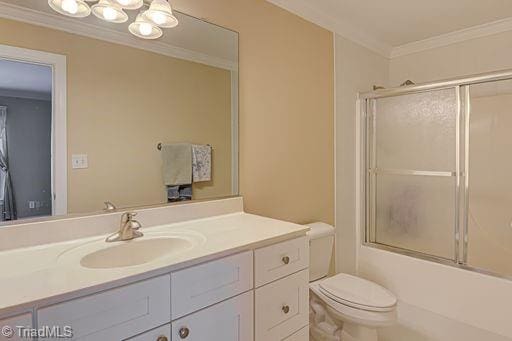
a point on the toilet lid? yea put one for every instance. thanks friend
(358, 293)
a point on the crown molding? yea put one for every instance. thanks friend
(474, 32)
(307, 11)
(62, 23)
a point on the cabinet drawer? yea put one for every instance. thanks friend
(282, 307)
(158, 334)
(280, 260)
(206, 284)
(11, 323)
(301, 335)
(231, 320)
(115, 314)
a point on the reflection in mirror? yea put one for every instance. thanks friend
(132, 122)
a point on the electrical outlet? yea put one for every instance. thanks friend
(79, 161)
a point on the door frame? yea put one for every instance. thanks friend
(59, 171)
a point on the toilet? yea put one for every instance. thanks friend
(343, 307)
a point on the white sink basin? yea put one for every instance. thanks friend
(98, 254)
(135, 252)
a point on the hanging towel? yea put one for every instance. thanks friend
(179, 193)
(177, 164)
(201, 163)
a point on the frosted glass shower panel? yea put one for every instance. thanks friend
(416, 213)
(490, 182)
(417, 131)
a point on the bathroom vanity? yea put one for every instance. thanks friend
(229, 276)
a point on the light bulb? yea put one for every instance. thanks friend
(158, 18)
(145, 29)
(109, 13)
(70, 6)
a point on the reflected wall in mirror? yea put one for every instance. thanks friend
(82, 114)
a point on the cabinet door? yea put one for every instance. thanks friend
(9, 327)
(114, 314)
(282, 307)
(231, 320)
(162, 333)
(280, 260)
(209, 283)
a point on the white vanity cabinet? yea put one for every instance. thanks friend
(257, 295)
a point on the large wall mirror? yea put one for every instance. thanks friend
(90, 113)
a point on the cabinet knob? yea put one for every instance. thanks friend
(286, 259)
(184, 332)
(286, 309)
(162, 338)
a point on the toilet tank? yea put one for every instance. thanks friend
(321, 242)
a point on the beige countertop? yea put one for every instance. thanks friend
(46, 274)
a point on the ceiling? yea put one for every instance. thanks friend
(31, 79)
(394, 23)
(190, 35)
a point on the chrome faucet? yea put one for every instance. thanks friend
(128, 229)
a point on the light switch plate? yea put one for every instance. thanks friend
(79, 161)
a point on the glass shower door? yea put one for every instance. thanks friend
(413, 147)
(490, 181)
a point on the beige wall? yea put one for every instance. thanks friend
(286, 108)
(357, 70)
(123, 101)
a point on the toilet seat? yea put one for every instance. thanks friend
(357, 293)
(351, 314)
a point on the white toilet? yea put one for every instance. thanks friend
(343, 307)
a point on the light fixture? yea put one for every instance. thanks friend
(148, 24)
(160, 13)
(130, 4)
(144, 29)
(110, 11)
(71, 8)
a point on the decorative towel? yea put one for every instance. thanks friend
(177, 164)
(201, 163)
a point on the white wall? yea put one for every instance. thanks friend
(448, 300)
(474, 56)
(357, 70)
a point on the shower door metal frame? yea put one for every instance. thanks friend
(461, 174)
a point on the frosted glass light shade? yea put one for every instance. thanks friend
(109, 10)
(130, 4)
(144, 29)
(160, 13)
(71, 8)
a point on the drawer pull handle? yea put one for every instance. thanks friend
(286, 309)
(184, 332)
(162, 338)
(286, 260)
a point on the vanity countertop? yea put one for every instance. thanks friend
(51, 273)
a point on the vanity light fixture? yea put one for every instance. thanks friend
(130, 4)
(160, 13)
(71, 8)
(109, 10)
(147, 25)
(144, 29)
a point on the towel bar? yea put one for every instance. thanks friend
(159, 146)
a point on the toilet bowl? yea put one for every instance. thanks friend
(343, 307)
